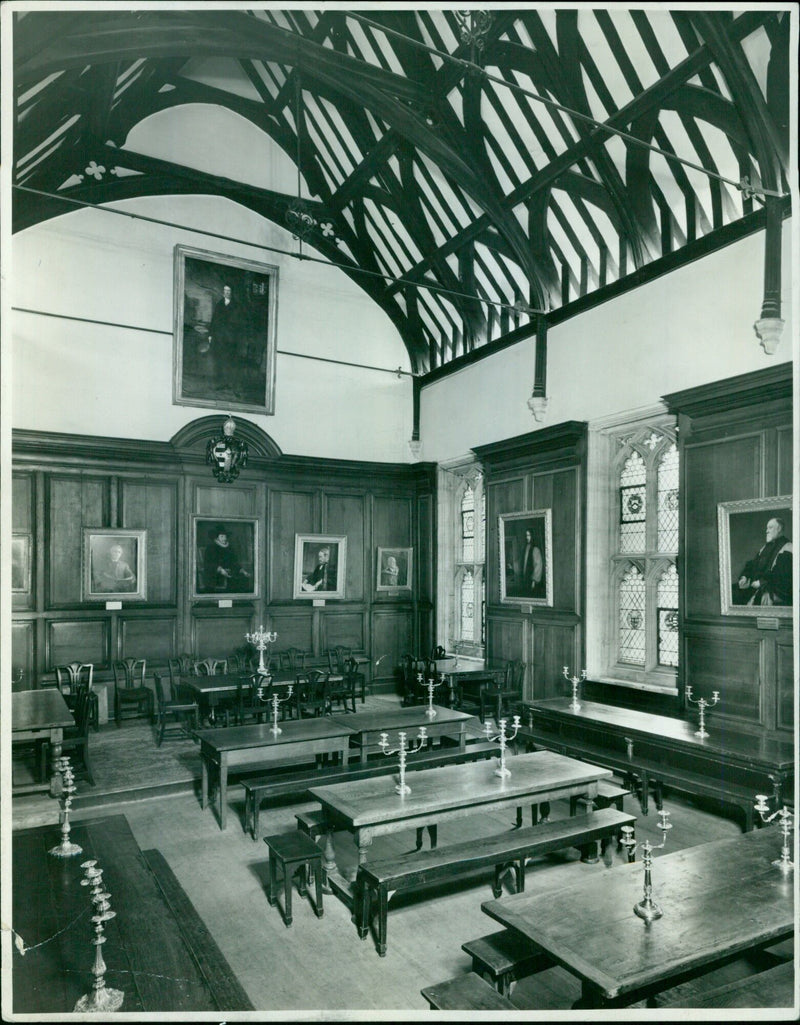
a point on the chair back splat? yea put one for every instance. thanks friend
(130, 690)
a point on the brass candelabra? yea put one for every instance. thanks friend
(502, 770)
(647, 907)
(702, 705)
(66, 848)
(401, 787)
(784, 862)
(574, 705)
(260, 639)
(101, 998)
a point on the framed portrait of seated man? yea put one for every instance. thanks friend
(319, 565)
(755, 557)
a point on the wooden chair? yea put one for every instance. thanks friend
(414, 693)
(172, 713)
(211, 667)
(501, 699)
(75, 738)
(129, 687)
(311, 694)
(341, 683)
(75, 679)
(249, 706)
(295, 659)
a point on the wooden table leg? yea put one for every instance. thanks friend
(203, 783)
(223, 790)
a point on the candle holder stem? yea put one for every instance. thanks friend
(784, 862)
(66, 849)
(502, 737)
(401, 787)
(647, 909)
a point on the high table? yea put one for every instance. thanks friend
(370, 807)
(719, 899)
(729, 765)
(461, 681)
(368, 726)
(40, 715)
(234, 747)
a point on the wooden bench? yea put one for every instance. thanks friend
(608, 795)
(466, 993)
(772, 988)
(508, 850)
(505, 956)
(258, 788)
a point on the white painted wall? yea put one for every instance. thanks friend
(688, 328)
(77, 375)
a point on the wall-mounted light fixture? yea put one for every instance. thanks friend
(225, 454)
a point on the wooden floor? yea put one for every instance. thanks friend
(320, 965)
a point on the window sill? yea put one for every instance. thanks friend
(669, 690)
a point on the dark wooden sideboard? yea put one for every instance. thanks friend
(656, 749)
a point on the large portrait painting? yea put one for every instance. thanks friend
(526, 572)
(319, 565)
(225, 322)
(225, 561)
(755, 557)
(114, 565)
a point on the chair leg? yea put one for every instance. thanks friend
(87, 763)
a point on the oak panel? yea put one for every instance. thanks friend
(344, 514)
(392, 637)
(785, 461)
(23, 638)
(84, 640)
(291, 512)
(73, 503)
(218, 636)
(152, 506)
(729, 661)
(22, 491)
(345, 628)
(558, 491)
(151, 637)
(501, 497)
(293, 627)
(784, 655)
(553, 648)
(225, 500)
(425, 555)
(724, 471)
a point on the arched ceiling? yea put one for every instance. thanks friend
(463, 180)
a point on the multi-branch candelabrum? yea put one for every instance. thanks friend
(261, 638)
(574, 705)
(784, 862)
(702, 704)
(275, 701)
(401, 787)
(503, 738)
(647, 907)
(101, 998)
(65, 849)
(430, 711)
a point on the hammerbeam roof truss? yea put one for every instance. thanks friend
(469, 201)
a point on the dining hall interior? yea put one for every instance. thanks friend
(399, 499)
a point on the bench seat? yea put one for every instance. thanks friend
(505, 957)
(508, 850)
(466, 993)
(772, 988)
(258, 788)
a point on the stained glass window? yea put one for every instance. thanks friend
(668, 500)
(668, 617)
(633, 504)
(632, 643)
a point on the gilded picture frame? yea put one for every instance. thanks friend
(755, 547)
(225, 557)
(225, 322)
(114, 564)
(315, 575)
(395, 567)
(526, 554)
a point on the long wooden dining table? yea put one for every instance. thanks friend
(237, 747)
(370, 807)
(40, 715)
(719, 900)
(209, 690)
(368, 726)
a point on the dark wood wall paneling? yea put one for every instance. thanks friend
(735, 440)
(64, 484)
(544, 469)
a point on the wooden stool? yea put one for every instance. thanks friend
(466, 993)
(295, 852)
(504, 957)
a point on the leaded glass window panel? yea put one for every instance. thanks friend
(481, 534)
(468, 604)
(632, 620)
(668, 500)
(468, 525)
(633, 504)
(668, 617)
